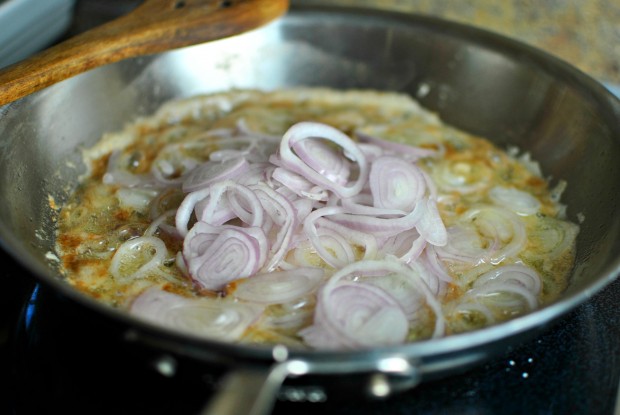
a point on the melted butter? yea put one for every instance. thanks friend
(93, 224)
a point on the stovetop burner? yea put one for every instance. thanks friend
(62, 357)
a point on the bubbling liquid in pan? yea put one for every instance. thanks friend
(314, 218)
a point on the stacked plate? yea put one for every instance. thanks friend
(28, 26)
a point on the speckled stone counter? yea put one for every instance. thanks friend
(585, 33)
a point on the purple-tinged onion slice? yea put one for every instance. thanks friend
(519, 274)
(217, 255)
(211, 318)
(391, 147)
(396, 183)
(284, 215)
(279, 287)
(353, 315)
(212, 171)
(323, 159)
(301, 164)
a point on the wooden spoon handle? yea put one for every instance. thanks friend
(155, 26)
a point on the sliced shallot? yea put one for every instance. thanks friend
(138, 258)
(218, 319)
(216, 255)
(302, 164)
(280, 286)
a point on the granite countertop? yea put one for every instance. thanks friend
(584, 33)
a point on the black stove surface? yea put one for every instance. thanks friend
(59, 358)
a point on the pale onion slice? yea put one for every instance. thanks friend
(362, 204)
(504, 298)
(396, 183)
(313, 131)
(239, 200)
(212, 171)
(284, 215)
(517, 273)
(333, 242)
(217, 255)
(520, 202)
(431, 226)
(407, 246)
(160, 223)
(464, 245)
(138, 258)
(347, 310)
(434, 280)
(245, 130)
(371, 151)
(210, 318)
(433, 261)
(279, 287)
(552, 237)
(135, 198)
(293, 181)
(381, 227)
(402, 288)
(186, 209)
(355, 315)
(167, 199)
(290, 316)
(174, 161)
(508, 289)
(462, 176)
(391, 147)
(469, 315)
(118, 175)
(332, 248)
(504, 230)
(417, 276)
(258, 173)
(323, 159)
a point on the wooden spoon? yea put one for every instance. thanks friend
(154, 26)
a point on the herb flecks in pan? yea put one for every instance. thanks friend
(314, 218)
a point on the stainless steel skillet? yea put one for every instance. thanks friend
(475, 80)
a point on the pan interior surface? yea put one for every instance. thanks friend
(476, 81)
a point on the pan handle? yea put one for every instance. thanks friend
(248, 391)
(253, 390)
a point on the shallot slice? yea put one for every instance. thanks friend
(486, 233)
(247, 208)
(302, 163)
(323, 159)
(512, 288)
(218, 319)
(282, 212)
(354, 315)
(392, 147)
(139, 258)
(520, 202)
(212, 171)
(396, 183)
(279, 287)
(217, 255)
(518, 273)
(431, 226)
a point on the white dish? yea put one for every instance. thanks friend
(28, 26)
